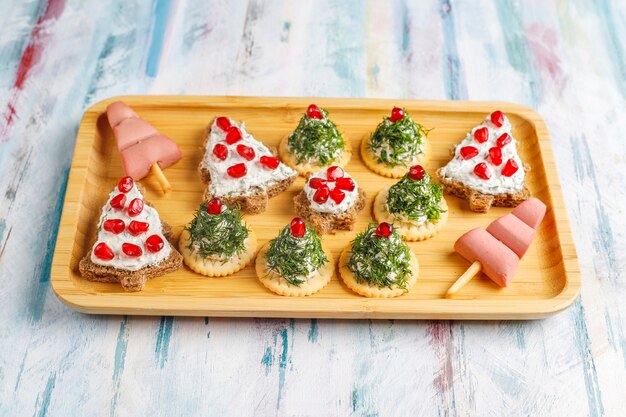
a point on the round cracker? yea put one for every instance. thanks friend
(274, 282)
(216, 268)
(398, 171)
(373, 291)
(307, 168)
(408, 230)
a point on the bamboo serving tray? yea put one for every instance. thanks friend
(548, 279)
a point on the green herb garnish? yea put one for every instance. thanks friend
(397, 143)
(216, 235)
(415, 199)
(294, 258)
(316, 141)
(383, 262)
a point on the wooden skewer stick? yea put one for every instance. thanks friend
(464, 279)
(158, 174)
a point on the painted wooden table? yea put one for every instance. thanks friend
(566, 59)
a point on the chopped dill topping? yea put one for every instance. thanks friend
(217, 235)
(383, 262)
(316, 141)
(415, 199)
(295, 258)
(397, 143)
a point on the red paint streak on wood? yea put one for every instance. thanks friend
(543, 44)
(441, 341)
(30, 57)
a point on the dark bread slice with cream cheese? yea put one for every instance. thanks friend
(481, 202)
(328, 222)
(132, 281)
(250, 204)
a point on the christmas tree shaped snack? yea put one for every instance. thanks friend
(486, 168)
(295, 263)
(241, 170)
(378, 263)
(498, 249)
(132, 244)
(396, 144)
(315, 144)
(142, 148)
(330, 200)
(414, 205)
(217, 242)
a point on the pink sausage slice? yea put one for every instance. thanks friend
(513, 232)
(138, 159)
(498, 262)
(531, 212)
(117, 112)
(131, 131)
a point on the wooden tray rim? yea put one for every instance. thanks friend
(486, 309)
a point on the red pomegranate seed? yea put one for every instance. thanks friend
(396, 114)
(270, 161)
(468, 152)
(136, 228)
(135, 207)
(495, 154)
(314, 112)
(115, 226)
(233, 135)
(154, 243)
(103, 251)
(503, 140)
(345, 183)
(214, 206)
(118, 202)
(245, 152)
(125, 184)
(481, 135)
(220, 151)
(297, 227)
(384, 230)
(337, 195)
(510, 168)
(131, 250)
(316, 183)
(321, 195)
(416, 172)
(482, 171)
(223, 123)
(237, 170)
(497, 118)
(333, 173)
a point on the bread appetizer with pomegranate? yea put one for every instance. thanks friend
(239, 169)
(486, 168)
(330, 200)
(133, 244)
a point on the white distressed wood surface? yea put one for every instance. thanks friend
(566, 59)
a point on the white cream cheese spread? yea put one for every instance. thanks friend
(462, 170)
(258, 177)
(330, 206)
(115, 241)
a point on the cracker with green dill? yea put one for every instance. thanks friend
(415, 199)
(316, 141)
(399, 142)
(383, 262)
(217, 235)
(295, 258)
